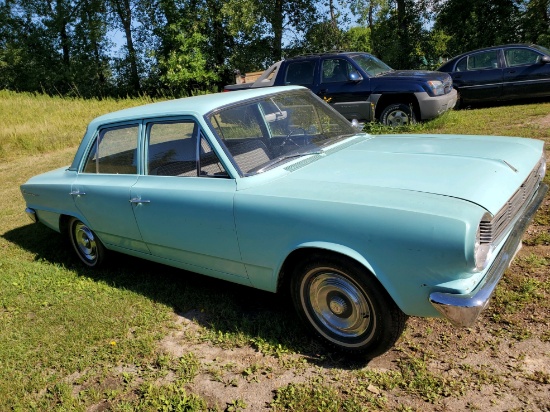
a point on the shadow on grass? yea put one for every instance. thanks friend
(225, 307)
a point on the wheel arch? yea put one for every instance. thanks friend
(390, 98)
(311, 248)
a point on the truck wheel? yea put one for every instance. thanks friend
(340, 302)
(397, 114)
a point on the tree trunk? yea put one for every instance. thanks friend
(277, 24)
(124, 12)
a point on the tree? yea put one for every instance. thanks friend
(482, 23)
(536, 22)
(122, 9)
(399, 34)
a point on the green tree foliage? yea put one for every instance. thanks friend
(177, 47)
(479, 23)
(399, 35)
(536, 22)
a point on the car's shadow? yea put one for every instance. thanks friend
(225, 307)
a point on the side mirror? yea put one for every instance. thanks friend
(354, 77)
(545, 59)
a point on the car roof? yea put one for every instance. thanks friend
(494, 48)
(196, 105)
(324, 54)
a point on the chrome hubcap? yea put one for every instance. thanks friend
(338, 303)
(85, 242)
(398, 118)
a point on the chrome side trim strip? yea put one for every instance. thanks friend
(463, 310)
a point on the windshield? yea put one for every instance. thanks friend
(263, 133)
(371, 65)
(542, 49)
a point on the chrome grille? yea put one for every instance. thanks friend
(492, 230)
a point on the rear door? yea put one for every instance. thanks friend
(479, 76)
(101, 191)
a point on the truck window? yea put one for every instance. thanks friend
(300, 73)
(336, 70)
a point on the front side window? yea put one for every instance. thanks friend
(173, 149)
(483, 60)
(336, 70)
(114, 151)
(520, 57)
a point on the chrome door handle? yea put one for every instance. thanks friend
(77, 193)
(139, 200)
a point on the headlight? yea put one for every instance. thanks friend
(436, 87)
(483, 249)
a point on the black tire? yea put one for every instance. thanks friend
(86, 244)
(459, 104)
(345, 306)
(397, 114)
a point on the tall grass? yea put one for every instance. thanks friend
(35, 123)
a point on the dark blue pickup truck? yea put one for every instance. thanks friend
(363, 88)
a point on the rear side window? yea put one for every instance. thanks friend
(462, 65)
(300, 72)
(483, 60)
(114, 151)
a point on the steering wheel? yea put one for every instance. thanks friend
(291, 133)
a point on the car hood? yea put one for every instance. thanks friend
(483, 170)
(421, 75)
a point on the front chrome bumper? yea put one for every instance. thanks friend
(463, 310)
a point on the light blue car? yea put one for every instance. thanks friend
(273, 189)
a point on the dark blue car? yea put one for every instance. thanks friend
(509, 72)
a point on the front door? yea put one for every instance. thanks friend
(525, 75)
(184, 201)
(350, 98)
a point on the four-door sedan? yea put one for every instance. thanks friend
(273, 189)
(514, 71)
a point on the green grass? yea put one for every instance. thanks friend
(34, 123)
(74, 339)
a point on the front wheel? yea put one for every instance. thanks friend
(397, 114)
(85, 243)
(345, 306)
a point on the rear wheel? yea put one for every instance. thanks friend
(345, 306)
(85, 243)
(397, 114)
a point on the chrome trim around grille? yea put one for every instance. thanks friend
(493, 230)
(463, 310)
